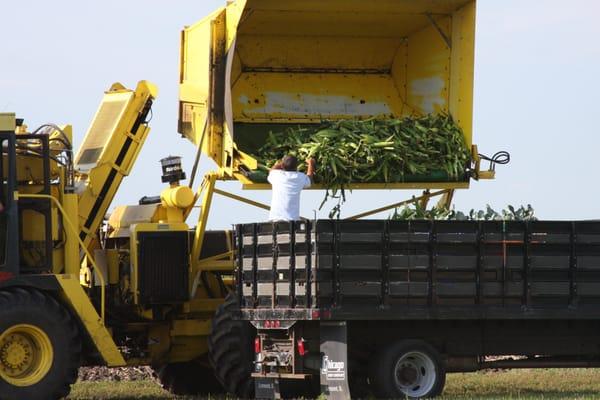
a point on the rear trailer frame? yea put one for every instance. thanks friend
(451, 291)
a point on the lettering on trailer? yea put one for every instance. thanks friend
(265, 386)
(333, 370)
(334, 375)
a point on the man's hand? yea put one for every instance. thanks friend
(277, 165)
(312, 165)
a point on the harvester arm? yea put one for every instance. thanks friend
(109, 150)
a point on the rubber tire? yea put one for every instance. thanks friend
(358, 377)
(27, 306)
(382, 369)
(359, 386)
(231, 350)
(189, 378)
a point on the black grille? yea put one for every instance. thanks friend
(163, 267)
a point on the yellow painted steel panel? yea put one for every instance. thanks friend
(190, 327)
(125, 216)
(80, 304)
(373, 6)
(378, 186)
(7, 122)
(340, 23)
(198, 82)
(314, 52)
(271, 97)
(428, 66)
(462, 68)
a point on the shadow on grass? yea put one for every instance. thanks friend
(144, 397)
(525, 394)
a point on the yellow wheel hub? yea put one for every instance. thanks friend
(26, 355)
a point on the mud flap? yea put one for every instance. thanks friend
(334, 362)
(266, 388)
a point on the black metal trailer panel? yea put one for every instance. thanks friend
(382, 269)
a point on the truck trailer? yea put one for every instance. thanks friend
(387, 307)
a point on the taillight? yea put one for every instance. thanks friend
(301, 348)
(272, 324)
(257, 346)
(4, 276)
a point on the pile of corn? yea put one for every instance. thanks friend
(410, 149)
(375, 150)
(417, 212)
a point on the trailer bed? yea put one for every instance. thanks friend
(411, 270)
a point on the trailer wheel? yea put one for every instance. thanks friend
(40, 346)
(409, 369)
(189, 378)
(230, 350)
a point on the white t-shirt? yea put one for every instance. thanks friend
(285, 202)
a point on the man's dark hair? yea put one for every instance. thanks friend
(290, 163)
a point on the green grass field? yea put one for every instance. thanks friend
(516, 384)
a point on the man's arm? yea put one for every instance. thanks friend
(310, 171)
(277, 166)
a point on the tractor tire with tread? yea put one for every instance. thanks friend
(230, 350)
(40, 346)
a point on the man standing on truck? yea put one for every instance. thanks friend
(287, 183)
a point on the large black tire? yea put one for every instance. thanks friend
(408, 369)
(40, 346)
(189, 378)
(359, 385)
(230, 350)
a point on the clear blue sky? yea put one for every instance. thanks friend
(537, 86)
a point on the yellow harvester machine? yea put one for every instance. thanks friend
(75, 291)
(143, 288)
